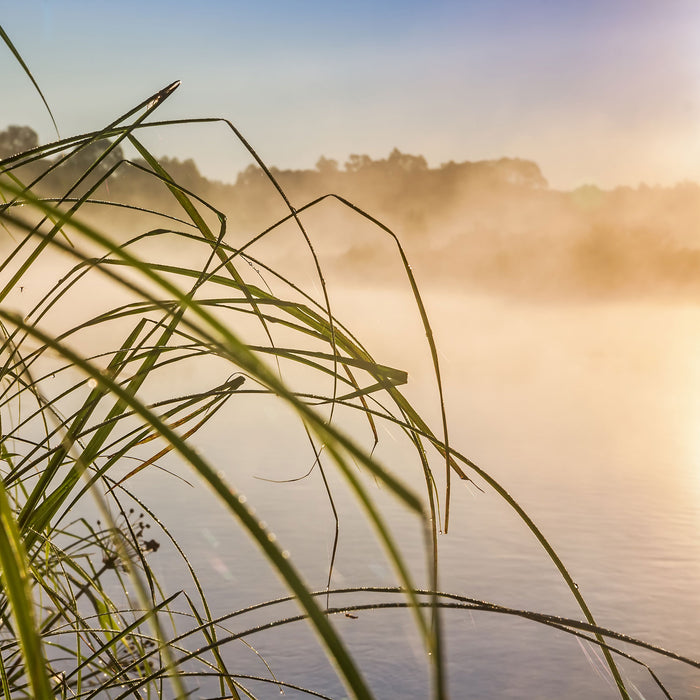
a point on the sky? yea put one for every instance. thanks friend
(603, 92)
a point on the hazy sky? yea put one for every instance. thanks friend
(601, 91)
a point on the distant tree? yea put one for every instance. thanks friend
(86, 157)
(184, 172)
(17, 139)
(356, 163)
(327, 166)
(252, 175)
(521, 172)
(76, 164)
(406, 162)
(588, 197)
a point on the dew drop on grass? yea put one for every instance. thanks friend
(92, 383)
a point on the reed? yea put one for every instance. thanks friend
(71, 419)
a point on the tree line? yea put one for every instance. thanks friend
(492, 224)
(403, 180)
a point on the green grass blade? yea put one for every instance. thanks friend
(337, 651)
(16, 582)
(20, 60)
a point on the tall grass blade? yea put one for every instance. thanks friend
(16, 577)
(20, 60)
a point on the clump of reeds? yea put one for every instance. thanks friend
(71, 419)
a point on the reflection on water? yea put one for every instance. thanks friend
(587, 414)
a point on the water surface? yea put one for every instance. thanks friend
(586, 413)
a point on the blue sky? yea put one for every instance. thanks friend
(596, 91)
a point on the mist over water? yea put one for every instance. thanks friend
(567, 326)
(487, 227)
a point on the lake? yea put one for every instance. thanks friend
(586, 412)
